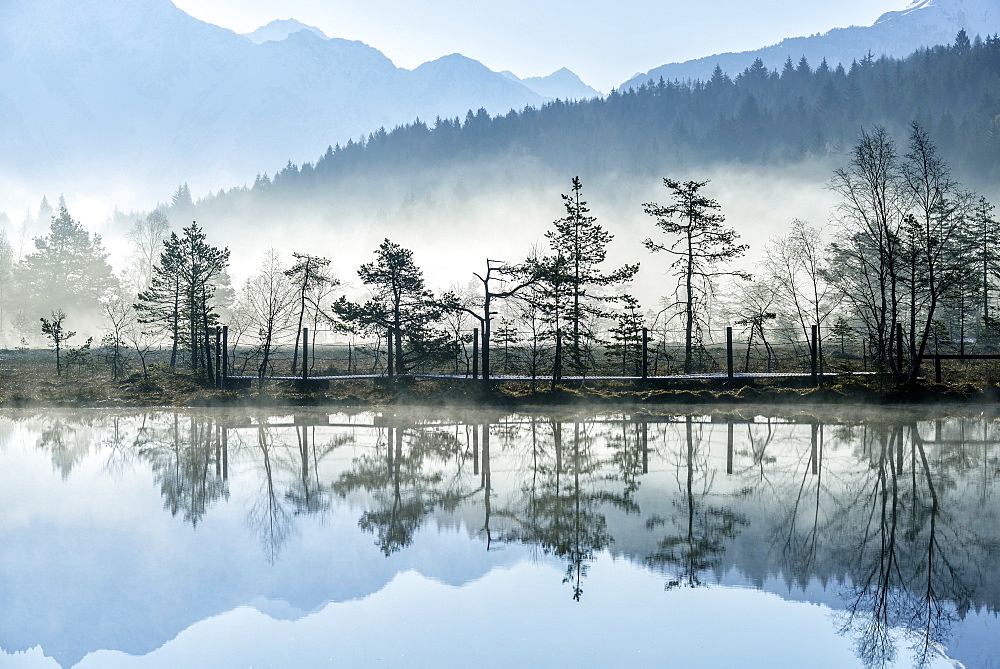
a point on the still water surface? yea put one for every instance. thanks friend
(433, 537)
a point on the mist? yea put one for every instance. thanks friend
(454, 219)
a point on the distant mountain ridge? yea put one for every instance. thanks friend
(899, 33)
(562, 84)
(280, 29)
(141, 89)
(760, 121)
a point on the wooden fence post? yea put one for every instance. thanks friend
(475, 353)
(645, 447)
(729, 352)
(729, 446)
(814, 354)
(225, 355)
(557, 363)
(813, 453)
(645, 353)
(305, 354)
(218, 356)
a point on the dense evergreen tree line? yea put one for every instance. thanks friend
(757, 116)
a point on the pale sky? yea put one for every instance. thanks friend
(603, 42)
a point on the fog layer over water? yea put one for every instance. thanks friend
(229, 538)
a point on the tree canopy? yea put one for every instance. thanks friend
(68, 270)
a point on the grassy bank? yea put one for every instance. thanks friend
(35, 385)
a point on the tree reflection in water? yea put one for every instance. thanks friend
(183, 464)
(561, 509)
(291, 466)
(915, 566)
(268, 515)
(897, 518)
(699, 544)
(403, 483)
(67, 439)
(305, 492)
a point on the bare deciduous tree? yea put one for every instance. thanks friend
(866, 258)
(795, 267)
(270, 300)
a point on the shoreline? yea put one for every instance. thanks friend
(178, 391)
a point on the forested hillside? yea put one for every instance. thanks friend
(756, 117)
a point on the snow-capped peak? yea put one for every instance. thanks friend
(975, 16)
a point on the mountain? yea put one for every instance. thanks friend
(561, 84)
(921, 24)
(138, 90)
(277, 30)
(447, 84)
(761, 122)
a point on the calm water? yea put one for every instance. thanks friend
(236, 538)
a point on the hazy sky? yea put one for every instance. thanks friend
(604, 42)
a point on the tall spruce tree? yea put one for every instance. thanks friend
(181, 297)
(581, 244)
(986, 229)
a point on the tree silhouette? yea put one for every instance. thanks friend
(701, 244)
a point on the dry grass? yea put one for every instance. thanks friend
(28, 378)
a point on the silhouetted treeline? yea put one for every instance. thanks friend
(757, 116)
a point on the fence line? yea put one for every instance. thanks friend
(735, 352)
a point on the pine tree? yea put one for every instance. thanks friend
(581, 244)
(180, 299)
(625, 337)
(986, 230)
(182, 198)
(55, 330)
(45, 211)
(701, 243)
(202, 263)
(161, 304)
(68, 267)
(401, 304)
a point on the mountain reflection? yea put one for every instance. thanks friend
(894, 519)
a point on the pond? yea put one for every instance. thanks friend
(448, 537)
